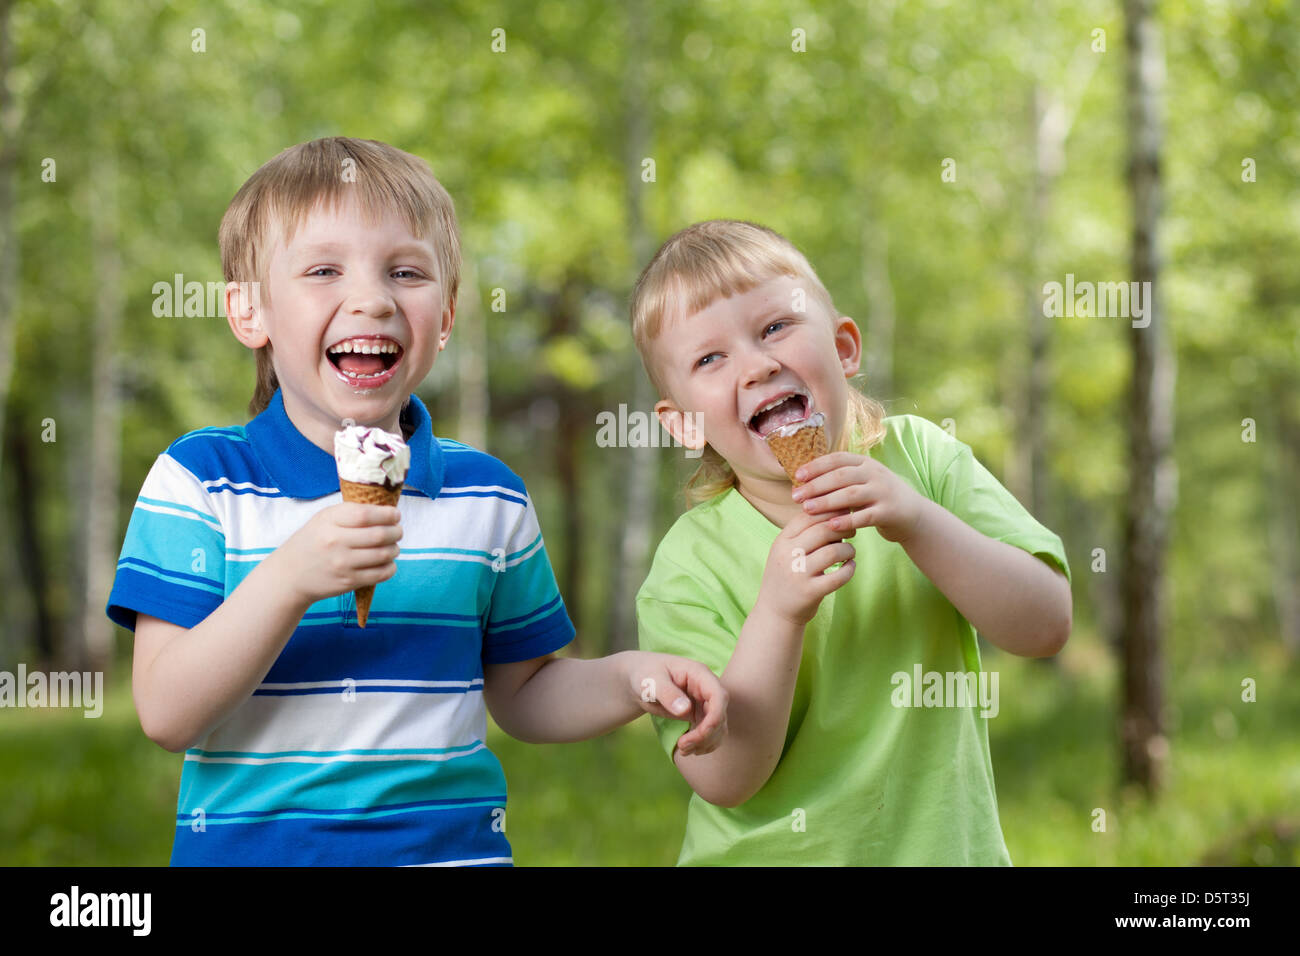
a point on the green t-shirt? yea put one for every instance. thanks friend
(861, 779)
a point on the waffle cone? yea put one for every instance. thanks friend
(368, 495)
(795, 451)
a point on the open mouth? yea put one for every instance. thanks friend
(775, 414)
(365, 360)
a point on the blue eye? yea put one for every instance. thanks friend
(704, 361)
(321, 269)
(774, 325)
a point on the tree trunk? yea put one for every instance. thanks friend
(1284, 530)
(104, 465)
(1049, 145)
(472, 395)
(635, 514)
(9, 129)
(10, 644)
(879, 291)
(1152, 477)
(27, 500)
(571, 427)
(880, 305)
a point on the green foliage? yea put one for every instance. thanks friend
(108, 797)
(841, 147)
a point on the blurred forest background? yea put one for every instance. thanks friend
(937, 162)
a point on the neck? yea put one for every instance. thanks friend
(321, 433)
(771, 499)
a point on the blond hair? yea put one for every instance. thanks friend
(288, 186)
(721, 258)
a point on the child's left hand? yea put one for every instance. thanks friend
(876, 496)
(661, 681)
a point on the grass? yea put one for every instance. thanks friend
(96, 792)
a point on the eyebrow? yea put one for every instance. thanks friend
(777, 310)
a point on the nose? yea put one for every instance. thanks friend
(758, 367)
(369, 296)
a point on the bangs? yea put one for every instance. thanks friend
(377, 189)
(710, 261)
(330, 172)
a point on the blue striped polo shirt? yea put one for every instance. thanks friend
(361, 746)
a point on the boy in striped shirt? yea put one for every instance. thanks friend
(308, 740)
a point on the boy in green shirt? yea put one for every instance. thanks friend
(856, 730)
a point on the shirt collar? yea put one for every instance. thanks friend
(301, 470)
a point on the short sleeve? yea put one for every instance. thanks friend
(967, 489)
(675, 616)
(173, 561)
(526, 617)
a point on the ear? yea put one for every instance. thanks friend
(685, 427)
(848, 345)
(244, 313)
(448, 320)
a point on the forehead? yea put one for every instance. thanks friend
(334, 223)
(771, 297)
(332, 217)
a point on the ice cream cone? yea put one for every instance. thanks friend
(372, 466)
(796, 445)
(368, 495)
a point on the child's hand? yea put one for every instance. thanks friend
(793, 583)
(874, 495)
(681, 689)
(342, 548)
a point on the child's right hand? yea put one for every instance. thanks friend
(342, 548)
(793, 583)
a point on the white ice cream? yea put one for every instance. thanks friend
(371, 456)
(815, 420)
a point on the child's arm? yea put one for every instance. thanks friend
(761, 674)
(1010, 597)
(1013, 599)
(185, 681)
(559, 700)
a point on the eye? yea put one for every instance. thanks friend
(410, 272)
(322, 269)
(705, 361)
(773, 325)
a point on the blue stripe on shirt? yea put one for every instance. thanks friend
(399, 838)
(235, 789)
